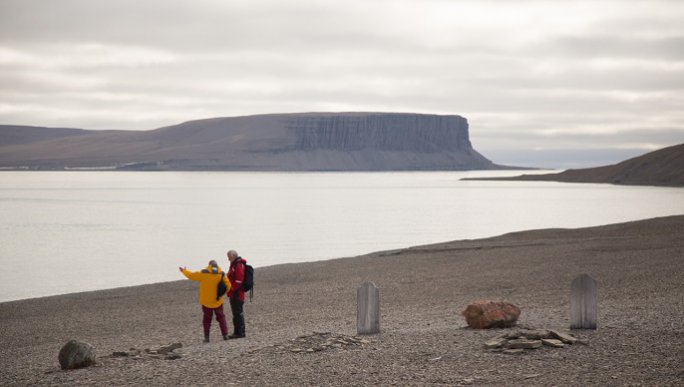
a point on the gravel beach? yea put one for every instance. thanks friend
(639, 267)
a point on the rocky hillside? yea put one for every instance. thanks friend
(277, 142)
(664, 167)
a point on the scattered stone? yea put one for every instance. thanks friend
(530, 338)
(468, 380)
(582, 341)
(535, 334)
(435, 359)
(76, 354)
(564, 337)
(490, 314)
(513, 351)
(167, 352)
(532, 376)
(553, 343)
(523, 344)
(164, 349)
(497, 342)
(321, 341)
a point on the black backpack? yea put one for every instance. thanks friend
(221, 289)
(248, 284)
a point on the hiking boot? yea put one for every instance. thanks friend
(206, 337)
(226, 337)
(236, 337)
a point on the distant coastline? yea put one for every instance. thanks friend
(664, 167)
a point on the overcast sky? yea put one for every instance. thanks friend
(544, 83)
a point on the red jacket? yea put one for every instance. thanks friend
(236, 276)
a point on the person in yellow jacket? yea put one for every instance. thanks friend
(212, 303)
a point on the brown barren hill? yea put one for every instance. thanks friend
(275, 142)
(664, 167)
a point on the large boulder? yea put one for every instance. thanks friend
(490, 314)
(76, 354)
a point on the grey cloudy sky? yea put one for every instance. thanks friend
(545, 83)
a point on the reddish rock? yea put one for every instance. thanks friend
(490, 314)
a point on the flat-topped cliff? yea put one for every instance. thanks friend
(390, 132)
(276, 142)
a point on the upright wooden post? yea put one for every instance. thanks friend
(367, 309)
(584, 303)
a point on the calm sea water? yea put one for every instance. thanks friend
(64, 232)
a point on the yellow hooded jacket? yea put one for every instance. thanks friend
(208, 284)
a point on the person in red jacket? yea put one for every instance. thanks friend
(236, 276)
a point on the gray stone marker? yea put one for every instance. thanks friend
(367, 309)
(584, 303)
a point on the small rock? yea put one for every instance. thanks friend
(296, 350)
(564, 337)
(532, 376)
(173, 356)
(515, 334)
(553, 343)
(310, 350)
(364, 341)
(535, 334)
(164, 349)
(468, 380)
(120, 353)
(513, 351)
(582, 341)
(76, 354)
(523, 343)
(337, 345)
(495, 343)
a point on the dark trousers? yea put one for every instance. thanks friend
(238, 317)
(220, 317)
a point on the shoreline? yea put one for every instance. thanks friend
(379, 252)
(638, 266)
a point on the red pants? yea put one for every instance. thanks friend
(220, 317)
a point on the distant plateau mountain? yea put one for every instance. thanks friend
(272, 142)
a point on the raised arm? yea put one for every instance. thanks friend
(191, 275)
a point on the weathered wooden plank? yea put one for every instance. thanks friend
(584, 303)
(367, 309)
